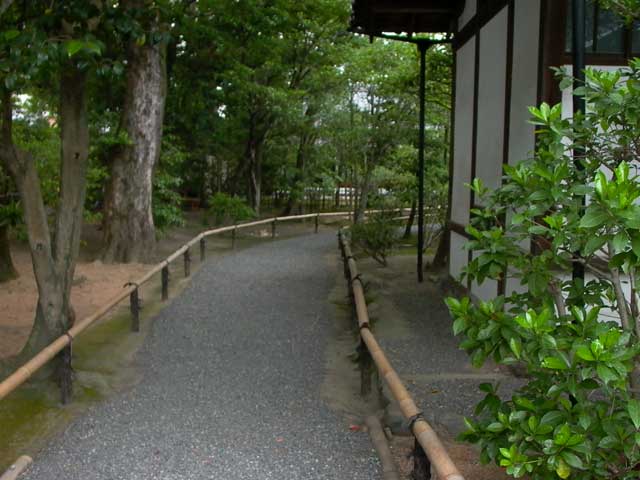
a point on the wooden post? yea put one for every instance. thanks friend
(203, 249)
(66, 374)
(233, 238)
(273, 228)
(317, 222)
(187, 262)
(134, 305)
(421, 464)
(365, 364)
(165, 282)
(345, 267)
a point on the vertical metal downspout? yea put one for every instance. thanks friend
(579, 40)
(422, 48)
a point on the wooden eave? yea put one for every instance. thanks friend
(374, 17)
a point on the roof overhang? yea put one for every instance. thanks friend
(375, 17)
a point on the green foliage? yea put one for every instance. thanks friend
(629, 10)
(43, 141)
(377, 236)
(578, 415)
(226, 208)
(10, 214)
(167, 201)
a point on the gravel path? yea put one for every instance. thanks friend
(231, 373)
(425, 352)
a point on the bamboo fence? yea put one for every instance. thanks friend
(27, 370)
(425, 435)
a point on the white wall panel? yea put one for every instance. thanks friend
(465, 66)
(567, 97)
(467, 14)
(524, 87)
(512, 285)
(485, 291)
(491, 100)
(457, 256)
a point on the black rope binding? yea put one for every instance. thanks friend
(412, 421)
(131, 284)
(359, 278)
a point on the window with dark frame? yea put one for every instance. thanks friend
(606, 33)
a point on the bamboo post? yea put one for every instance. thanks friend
(187, 262)
(66, 374)
(17, 468)
(365, 365)
(165, 282)
(273, 227)
(317, 220)
(203, 249)
(134, 305)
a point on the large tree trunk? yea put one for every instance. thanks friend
(53, 258)
(129, 231)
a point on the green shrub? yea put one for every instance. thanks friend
(227, 209)
(578, 414)
(377, 236)
(167, 180)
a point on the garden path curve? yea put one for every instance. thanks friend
(230, 386)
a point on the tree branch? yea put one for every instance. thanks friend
(620, 298)
(558, 299)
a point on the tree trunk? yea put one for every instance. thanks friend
(7, 270)
(362, 200)
(254, 159)
(129, 231)
(53, 257)
(410, 220)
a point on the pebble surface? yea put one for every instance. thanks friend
(230, 387)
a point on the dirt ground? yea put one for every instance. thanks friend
(95, 283)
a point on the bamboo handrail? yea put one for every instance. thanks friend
(26, 371)
(421, 429)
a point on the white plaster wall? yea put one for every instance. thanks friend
(467, 14)
(567, 97)
(485, 291)
(458, 255)
(512, 285)
(524, 87)
(460, 197)
(491, 100)
(524, 91)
